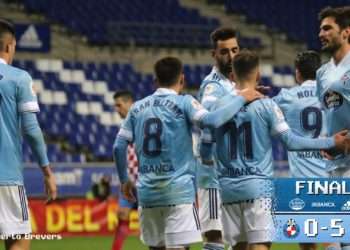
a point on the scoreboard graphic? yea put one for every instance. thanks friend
(312, 210)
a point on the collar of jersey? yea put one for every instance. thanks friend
(309, 82)
(224, 79)
(165, 91)
(2, 61)
(344, 60)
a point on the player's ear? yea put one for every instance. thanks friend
(346, 34)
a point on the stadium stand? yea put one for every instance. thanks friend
(76, 101)
(280, 16)
(133, 21)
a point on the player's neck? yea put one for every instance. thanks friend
(341, 53)
(176, 88)
(4, 57)
(250, 84)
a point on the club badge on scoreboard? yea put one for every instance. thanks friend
(291, 229)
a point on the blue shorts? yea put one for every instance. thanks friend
(125, 203)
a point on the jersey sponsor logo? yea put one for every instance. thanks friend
(291, 229)
(332, 99)
(236, 172)
(296, 204)
(309, 154)
(156, 168)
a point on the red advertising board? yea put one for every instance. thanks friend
(77, 217)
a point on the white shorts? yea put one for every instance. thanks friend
(209, 203)
(174, 225)
(14, 212)
(248, 221)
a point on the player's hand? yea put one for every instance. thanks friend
(128, 190)
(50, 184)
(250, 94)
(263, 89)
(327, 155)
(342, 141)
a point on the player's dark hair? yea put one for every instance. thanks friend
(244, 63)
(222, 34)
(307, 63)
(341, 16)
(167, 71)
(125, 94)
(5, 28)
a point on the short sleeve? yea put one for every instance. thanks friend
(276, 118)
(193, 109)
(211, 93)
(126, 129)
(26, 97)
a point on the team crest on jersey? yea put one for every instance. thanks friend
(291, 229)
(332, 99)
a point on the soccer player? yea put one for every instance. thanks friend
(214, 86)
(332, 77)
(302, 110)
(244, 159)
(123, 100)
(333, 85)
(18, 105)
(160, 127)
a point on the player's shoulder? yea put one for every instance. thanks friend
(18, 75)
(213, 76)
(263, 103)
(286, 93)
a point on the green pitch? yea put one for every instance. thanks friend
(105, 243)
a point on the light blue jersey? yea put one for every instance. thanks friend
(16, 96)
(160, 127)
(244, 149)
(334, 94)
(213, 87)
(302, 110)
